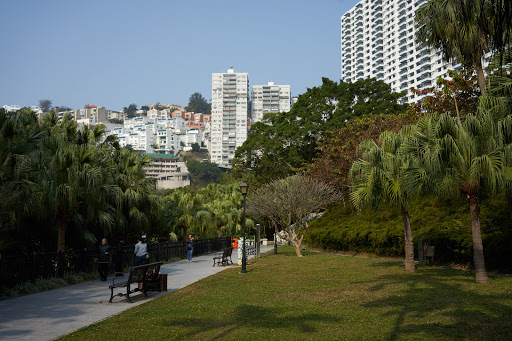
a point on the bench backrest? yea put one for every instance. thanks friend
(229, 252)
(143, 272)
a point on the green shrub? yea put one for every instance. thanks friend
(445, 223)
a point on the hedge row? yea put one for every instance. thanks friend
(446, 223)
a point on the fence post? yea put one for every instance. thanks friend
(257, 241)
(60, 263)
(34, 267)
(84, 260)
(1, 276)
(420, 251)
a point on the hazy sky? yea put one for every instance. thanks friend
(113, 53)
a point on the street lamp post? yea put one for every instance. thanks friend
(243, 189)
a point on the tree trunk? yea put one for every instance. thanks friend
(409, 244)
(481, 77)
(478, 249)
(297, 248)
(185, 236)
(61, 236)
(292, 237)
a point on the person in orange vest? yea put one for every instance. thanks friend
(234, 243)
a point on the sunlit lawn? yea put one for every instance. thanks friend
(321, 297)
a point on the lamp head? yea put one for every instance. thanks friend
(243, 188)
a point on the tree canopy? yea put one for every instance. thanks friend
(45, 105)
(198, 104)
(131, 110)
(283, 143)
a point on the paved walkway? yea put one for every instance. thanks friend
(54, 313)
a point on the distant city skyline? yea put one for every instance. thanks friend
(116, 53)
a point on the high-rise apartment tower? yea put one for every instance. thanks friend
(230, 98)
(378, 41)
(269, 98)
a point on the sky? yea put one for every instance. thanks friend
(113, 53)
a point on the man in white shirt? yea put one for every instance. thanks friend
(141, 251)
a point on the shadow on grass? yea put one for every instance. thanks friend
(254, 317)
(449, 303)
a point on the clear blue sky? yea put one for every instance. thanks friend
(113, 53)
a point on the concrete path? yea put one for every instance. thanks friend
(54, 313)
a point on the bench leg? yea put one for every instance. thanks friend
(111, 295)
(128, 293)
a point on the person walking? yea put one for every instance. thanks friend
(190, 247)
(141, 251)
(118, 257)
(104, 258)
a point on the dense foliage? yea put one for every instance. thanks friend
(198, 104)
(284, 143)
(203, 173)
(65, 187)
(444, 222)
(338, 150)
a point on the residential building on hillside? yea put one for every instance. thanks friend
(269, 98)
(115, 115)
(148, 135)
(168, 171)
(192, 136)
(11, 108)
(90, 114)
(230, 100)
(167, 106)
(378, 41)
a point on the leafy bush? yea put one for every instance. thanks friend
(445, 223)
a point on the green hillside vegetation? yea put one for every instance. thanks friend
(446, 223)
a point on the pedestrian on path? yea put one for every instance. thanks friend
(190, 247)
(104, 258)
(118, 257)
(141, 251)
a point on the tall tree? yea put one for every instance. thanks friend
(283, 143)
(462, 29)
(45, 105)
(197, 103)
(379, 176)
(472, 159)
(338, 150)
(131, 110)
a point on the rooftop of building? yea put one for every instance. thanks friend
(160, 156)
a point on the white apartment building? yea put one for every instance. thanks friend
(378, 41)
(269, 98)
(230, 97)
(91, 113)
(148, 135)
(168, 171)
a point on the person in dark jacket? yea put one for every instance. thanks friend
(118, 257)
(104, 257)
(190, 247)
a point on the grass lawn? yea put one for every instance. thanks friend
(320, 297)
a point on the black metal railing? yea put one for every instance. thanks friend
(18, 269)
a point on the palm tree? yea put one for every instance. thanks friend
(379, 176)
(460, 29)
(472, 159)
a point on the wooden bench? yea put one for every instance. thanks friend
(138, 274)
(225, 258)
